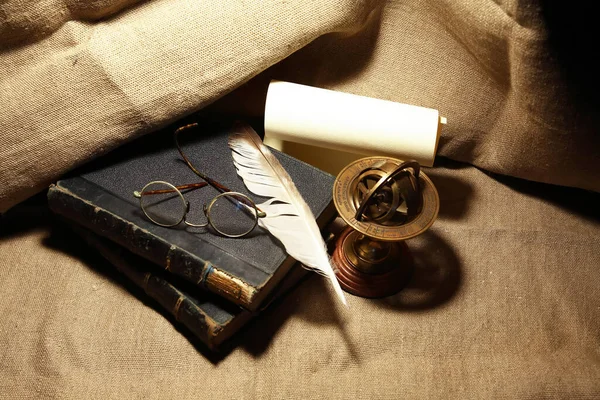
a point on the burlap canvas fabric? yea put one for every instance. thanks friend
(88, 86)
(80, 79)
(505, 302)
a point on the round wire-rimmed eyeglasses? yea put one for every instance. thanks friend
(230, 214)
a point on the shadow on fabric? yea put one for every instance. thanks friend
(63, 238)
(436, 276)
(455, 193)
(256, 337)
(572, 41)
(583, 203)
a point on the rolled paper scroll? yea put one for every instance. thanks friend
(350, 123)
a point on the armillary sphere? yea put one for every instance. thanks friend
(384, 201)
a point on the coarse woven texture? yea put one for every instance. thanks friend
(505, 301)
(504, 304)
(515, 79)
(79, 88)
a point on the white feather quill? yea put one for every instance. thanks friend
(288, 218)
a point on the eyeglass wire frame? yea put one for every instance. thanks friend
(236, 196)
(218, 186)
(240, 198)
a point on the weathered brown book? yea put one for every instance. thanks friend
(243, 270)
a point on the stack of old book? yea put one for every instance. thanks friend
(209, 283)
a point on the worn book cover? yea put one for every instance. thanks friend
(241, 270)
(208, 317)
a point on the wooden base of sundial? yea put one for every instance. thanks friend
(384, 269)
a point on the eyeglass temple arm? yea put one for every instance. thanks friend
(260, 213)
(163, 191)
(221, 188)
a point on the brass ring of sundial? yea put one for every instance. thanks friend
(391, 195)
(344, 197)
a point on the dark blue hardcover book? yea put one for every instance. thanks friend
(243, 271)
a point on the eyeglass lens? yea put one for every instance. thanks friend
(230, 215)
(163, 203)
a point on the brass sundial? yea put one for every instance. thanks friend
(384, 201)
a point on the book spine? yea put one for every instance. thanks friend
(175, 302)
(141, 242)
